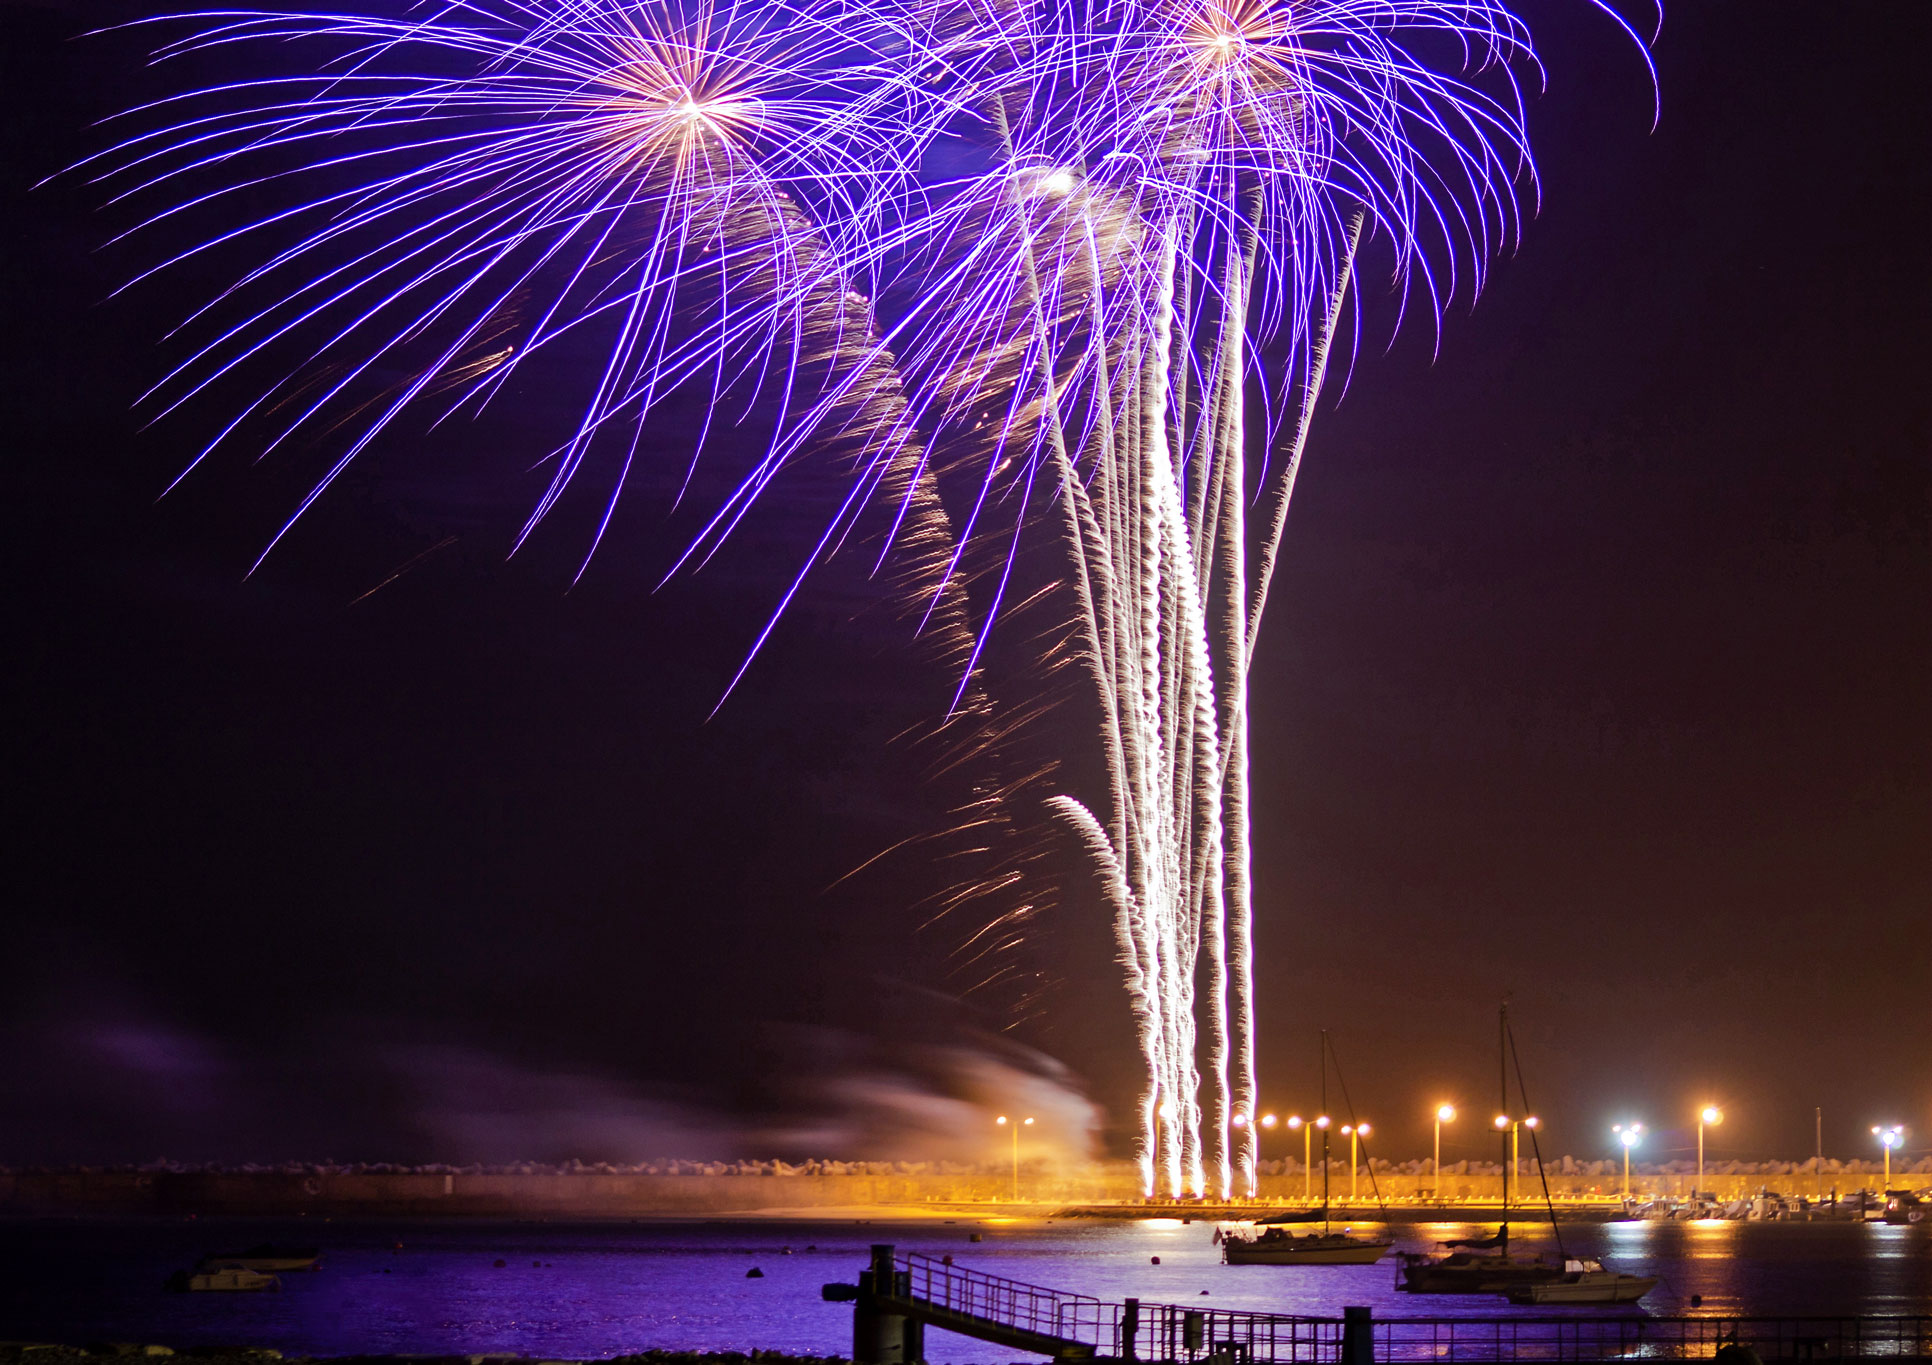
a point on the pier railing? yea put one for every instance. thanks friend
(992, 1298)
(1570, 1338)
(957, 1298)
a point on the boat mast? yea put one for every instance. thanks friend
(1324, 1126)
(1502, 1071)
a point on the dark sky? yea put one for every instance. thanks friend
(1595, 675)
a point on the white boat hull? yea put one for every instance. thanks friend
(1596, 1287)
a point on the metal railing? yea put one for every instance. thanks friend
(1012, 1303)
(1634, 1337)
(1175, 1332)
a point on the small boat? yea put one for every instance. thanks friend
(1902, 1207)
(1480, 1271)
(1273, 1244)
(224, 1280)
(1278, 1246)
(1584, 1282)
(1483, 1265)
(263, 1257)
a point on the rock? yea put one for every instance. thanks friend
(754, 1274)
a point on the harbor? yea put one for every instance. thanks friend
(568, 1290)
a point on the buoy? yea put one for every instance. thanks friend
(1154, 1260)
(1697, 1301)
(975, 1238)
(1204, 1291)
(945, 1260)
(754, 1274)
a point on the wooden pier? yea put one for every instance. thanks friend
(899, 1295)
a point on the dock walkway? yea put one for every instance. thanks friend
(900, 1294)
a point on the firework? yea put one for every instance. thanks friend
(1030, 260)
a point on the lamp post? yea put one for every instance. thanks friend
(1355, 1131)
(1015, 1125)
(1319, 1121)
(1445, 1113)
(1712, 1115)
(1307, 1188)
(1515, 1127)
(1888, 1138)
(1629, 1134)
(1505, 1124)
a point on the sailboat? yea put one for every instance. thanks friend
(1274, 1244)
(1481, 1265)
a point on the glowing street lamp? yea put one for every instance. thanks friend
(1015, 1124)
(1445, 1113)
(1515, 1127)
(1629, 1134)
(1888, 1138)
(1307, 1165)
(1712, 1115)
(1355, 1132)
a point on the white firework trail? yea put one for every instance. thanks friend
(1149, 244)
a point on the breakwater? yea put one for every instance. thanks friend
(701, 1190)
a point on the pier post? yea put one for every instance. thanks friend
(1358, 1336)
(1129, 1329)
(880, 1337)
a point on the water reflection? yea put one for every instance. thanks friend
(588, 1290)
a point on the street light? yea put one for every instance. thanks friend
(1355, 1132)
(1319, 1121)
(1515, 1147)
(1712, 1115)
(1888, 1138)
(1015, 1125)
(1445, 1113)
(1629, 1134)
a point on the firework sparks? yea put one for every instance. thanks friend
(1038, 253)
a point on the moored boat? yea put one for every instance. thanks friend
(223, 1280)
(1474, 1272)
(1278, 1246)
(1273, 1244)
(1484, 1265)
(1584, 1282)
(1903, 1207)
(263, 1257)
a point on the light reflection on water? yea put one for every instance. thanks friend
(584, 1290)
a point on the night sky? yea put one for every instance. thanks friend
(1595, 676)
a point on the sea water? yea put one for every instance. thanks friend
(582, 1290)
